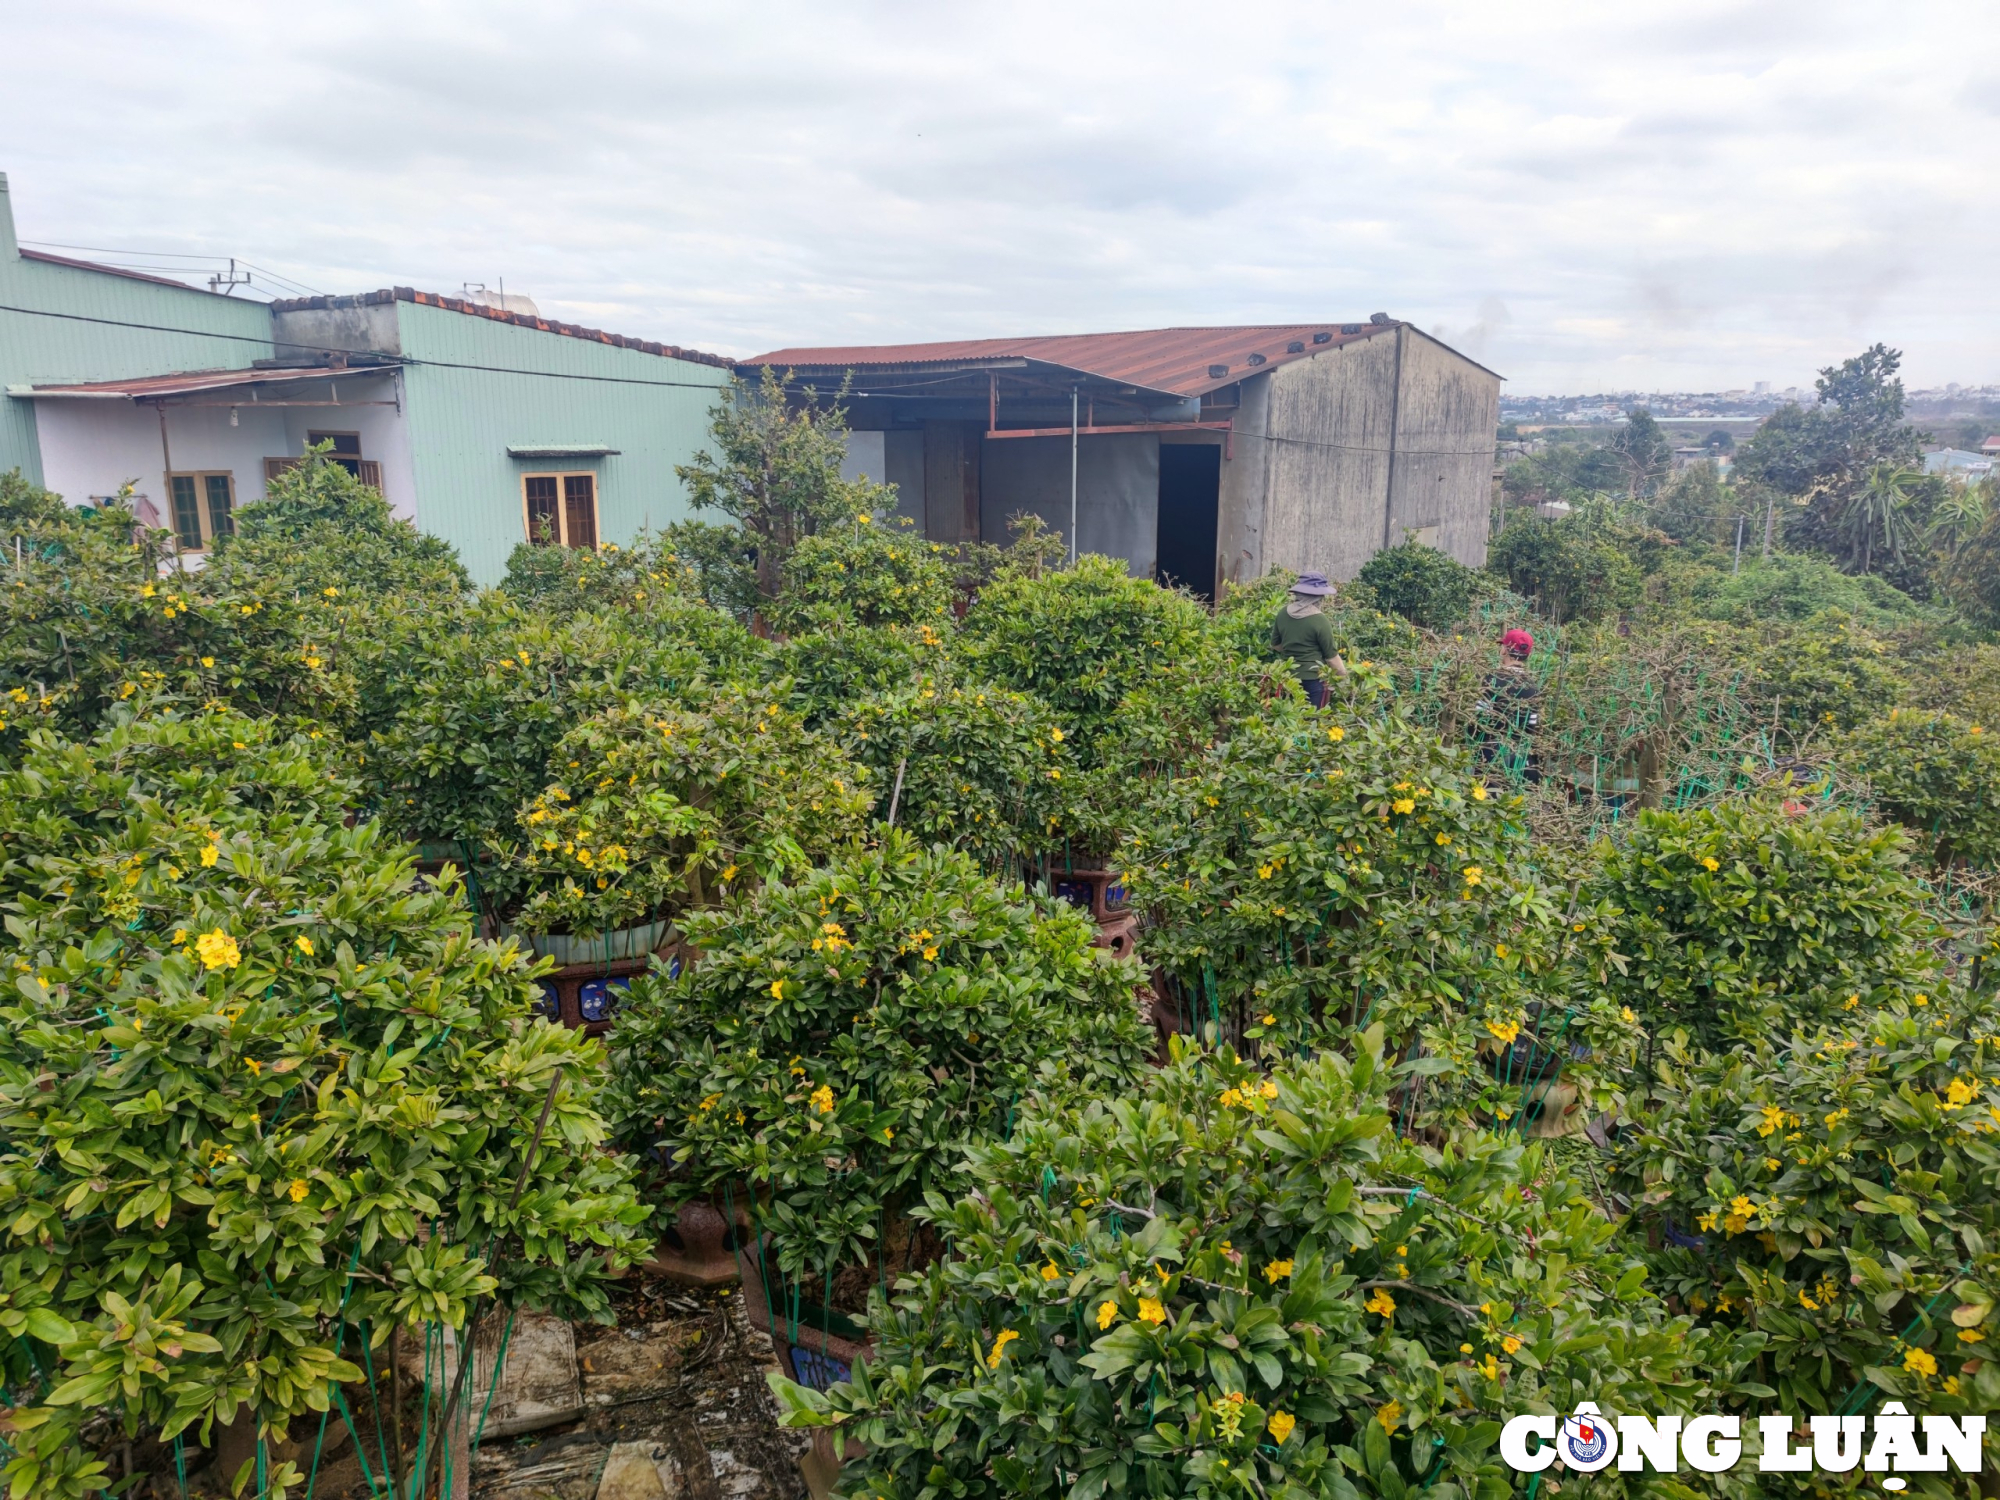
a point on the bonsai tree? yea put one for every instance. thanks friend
(1320, 872)
(89, 621)
(1233, 1282)
(1833, 1189)
(1754, 916)
(1422, 584)
(472, 741)
(776, 475)
(836, 1041)
(860, 573)
(264, 1097)
(1080, 640)
(981, 768)
(659, 808)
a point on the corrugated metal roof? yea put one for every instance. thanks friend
(151, 387)
(1176, 361)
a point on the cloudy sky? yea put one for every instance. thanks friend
(1693, 195)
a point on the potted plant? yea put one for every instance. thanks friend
(837, 1041)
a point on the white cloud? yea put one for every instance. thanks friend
(1689, 195)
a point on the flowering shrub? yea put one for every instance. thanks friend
(824, 673)
(1422, 584)
(245, 1058)
(982, 767)
(1837, 1193)
(837, 1042)
(1239, 1283)
(1936, 775)
(1748, 917)
(656, 808)
(1321, 871)
(88, 622)
(1079, 640)
(472, 742)
(863, 573)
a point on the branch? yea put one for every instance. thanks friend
(1409, 1286)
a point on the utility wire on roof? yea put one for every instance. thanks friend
(142, 260)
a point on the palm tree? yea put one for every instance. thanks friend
(1959, 515)
(1876, 511)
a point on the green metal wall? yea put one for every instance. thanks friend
(223, 334)
(653, 409)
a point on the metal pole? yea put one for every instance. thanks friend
(1770, 507)
(1737, 566)
(1072, 476)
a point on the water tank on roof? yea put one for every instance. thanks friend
(512, 302)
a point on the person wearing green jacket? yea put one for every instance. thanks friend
(1303, 635)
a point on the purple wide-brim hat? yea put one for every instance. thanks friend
(1311, 583)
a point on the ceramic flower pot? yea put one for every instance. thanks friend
(816, 1346)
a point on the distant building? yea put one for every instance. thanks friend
(1958, 461)
(1202, 456)
(484, 425)
(1992, 444)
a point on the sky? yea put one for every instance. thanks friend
(1642, 196)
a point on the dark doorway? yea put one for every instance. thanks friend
(1190, 481)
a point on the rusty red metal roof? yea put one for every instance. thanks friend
(155, 387)
(1175, 361)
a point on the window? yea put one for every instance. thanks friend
(560, 509)
(346, 449)
(367, 470)
(202, 505)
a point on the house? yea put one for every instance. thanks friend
(1969, 466)
(1201, 456)
(485, 424)
(1991, 447)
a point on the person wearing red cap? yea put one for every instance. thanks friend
(1508, 716)
(1304, 635)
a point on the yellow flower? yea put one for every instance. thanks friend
(1920, 1362)
(304, 945)
(822, 1099)
(1381, 1303)
(1478, 792)
(1504, 1031)
(1001, 1340)
(299, 1189)
(1336, 734)
(1706, 1221)
(331, 592)
(1835, 1118)
(208, 661)
(1056, 735)
(1625, 1013)
(1268, 1089)
(1270, 1020)
(1465, 1348)
(253, 1065)
(1230, 1098)
(209, 856)
(1151, 1310)
(1711, 864)
(1510, 1345)
(930, 955)
(1490, 1368)
(1390, 1416)
(218, 950)
(1960, 1094)
(1473, 874)
(1851, 1002)
(1280, 1426)
(1499, 950)
(1971, 1335)
(1107, 1311)
(1443, 838)
(1051, 1271)
(1774, 1119)
(777, 989)
(1403, 805)
(1277, 1271)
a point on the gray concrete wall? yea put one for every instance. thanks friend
(1326, 435)
(1242, 521)
(1445, 432)
(369, 328)
(903, 466)
(1117, 486)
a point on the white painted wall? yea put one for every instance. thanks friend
(91, 447)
